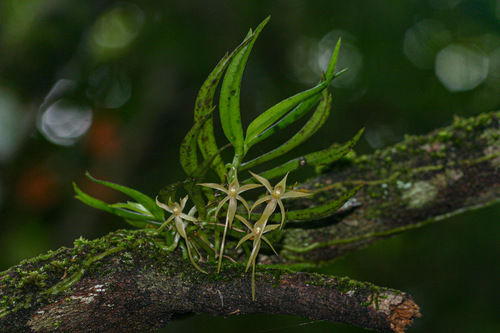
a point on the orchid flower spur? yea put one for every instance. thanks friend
(233, 195)
(180, 222)
(276, 194)
(257, 232)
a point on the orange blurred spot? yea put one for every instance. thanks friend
(105, 140)
(37, 188)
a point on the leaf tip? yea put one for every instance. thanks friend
(89, 176)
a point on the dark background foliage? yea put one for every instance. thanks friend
(109, 87)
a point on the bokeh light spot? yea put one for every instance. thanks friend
(460, 68)
(349, 57)
(310, 57)
(423, 40)
(64, 122)
(116, 28)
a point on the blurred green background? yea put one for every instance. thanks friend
(109, 87)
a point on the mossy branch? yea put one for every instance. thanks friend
(421, 180)
(126, 281)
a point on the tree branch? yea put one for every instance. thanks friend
(127, 282)
(421, 180)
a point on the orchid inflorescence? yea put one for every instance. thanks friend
(200, 228)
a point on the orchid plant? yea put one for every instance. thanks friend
(198, 231)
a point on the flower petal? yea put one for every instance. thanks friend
(244, 221)
(163, 206)
(243, 201)
(254, 253)
(248, 187)
(165, 223)
(269, 243)
(282, 208)
(270, 227)
(221, 204)
(282, 183)
(263, 180)
(183, 202)
(214, 186)
(179, 225)
(261, 200)
(231, 210)
(268, 211)
(244, 239)
(221, 252)
(294, 194)
(188, 217)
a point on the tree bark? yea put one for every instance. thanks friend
(126, 281)
(421, 180)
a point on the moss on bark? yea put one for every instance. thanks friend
(126, 281)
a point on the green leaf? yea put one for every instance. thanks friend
(229, 107)
(143, 224)
(316, 212)
(141, 198)
(208, 146)
(204, 104)
(322, 157)
(91, 201)
(291, 117)
(205, 98)
(316, 121)
(330, 71)
(169, 192)
(133, 206)
(135, 219)
(195, 192)
(324, 210)
(270, 116)
(188, 154)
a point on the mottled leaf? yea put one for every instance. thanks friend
(188, 153)
(313, 124)
(270, 116)
(291, 117)
(229, 103)
(168, 192)
(324, 210)
(204, 104)
(322, 157)
(316, 212)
